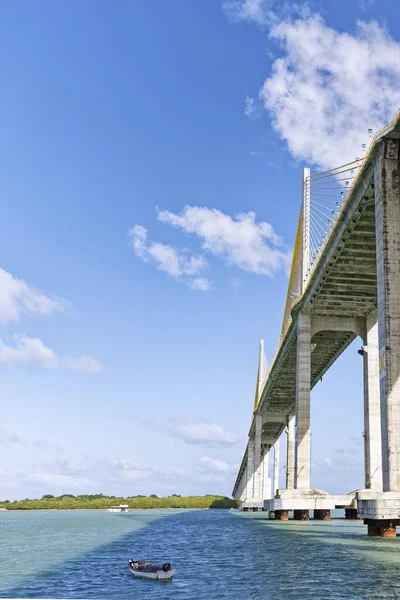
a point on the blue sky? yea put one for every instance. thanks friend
(150, 187)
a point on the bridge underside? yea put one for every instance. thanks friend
(347, 290)
(351, 291)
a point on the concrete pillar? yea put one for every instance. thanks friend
(382, 527)
(250, 469)
(266, 480)
(350, 513)
(257, 457)
(303, 384)
(290, 454)
(374, 530)
(242, 487)
(372, 407)
(387, 222)
(388, 532)
(281, 515)
(301, 515)
(276, 465)
(322, 515)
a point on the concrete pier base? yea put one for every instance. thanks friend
(308, 500)
(374, 530)
(301, 515)
(252, 504)
(281, 515)
(350, 513)
(322, 515)
(388, 532)
(382, 527)
(373, 505)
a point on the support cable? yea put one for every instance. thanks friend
(320, 211)
(324, 194)
(323, 224)
(319, 177)
(317, 200)
(315, 243)
(336, 168)
(333, 181)
(320, 230)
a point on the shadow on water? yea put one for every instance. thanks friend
(223, 554)
(335, 531)
(102, 572)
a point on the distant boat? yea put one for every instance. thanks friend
(120, 508)
(148, 570)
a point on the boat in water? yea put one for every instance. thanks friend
(148, 570)
(122, 508)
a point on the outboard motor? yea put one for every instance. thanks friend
(166, 566)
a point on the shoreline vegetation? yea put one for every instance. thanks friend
(99, 501)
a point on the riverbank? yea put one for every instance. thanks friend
(99, 501)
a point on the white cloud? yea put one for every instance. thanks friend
(241, 241)
(192, 430)
(43, 445)
(330, 87)
(178, 264)
(251, 109)
(258, 11)
(10, 435)
(263, 13)
(27, 351)
(200, 283)
(132, 470)
(202, 432)
(62, 481)
(86, 363)
(17, 299)
(210, 465)
(119, 477)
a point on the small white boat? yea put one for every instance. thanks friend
(119, 509)
(148, 570)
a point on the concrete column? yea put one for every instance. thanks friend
(242, 487)
(290, 454)
(350, 513)
(266, 480)
(387, 222)
(372, 407)
(276, 466)
(250, 469)
(282, 515)
(322, 515)
(257, 457)
(303, 383)
(374, 530)
(301, 515)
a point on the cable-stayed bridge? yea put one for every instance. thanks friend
(344, 283)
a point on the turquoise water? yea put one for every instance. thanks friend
(218, 554)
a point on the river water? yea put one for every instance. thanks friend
(218, 555)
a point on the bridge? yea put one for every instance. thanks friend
(344, 283)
